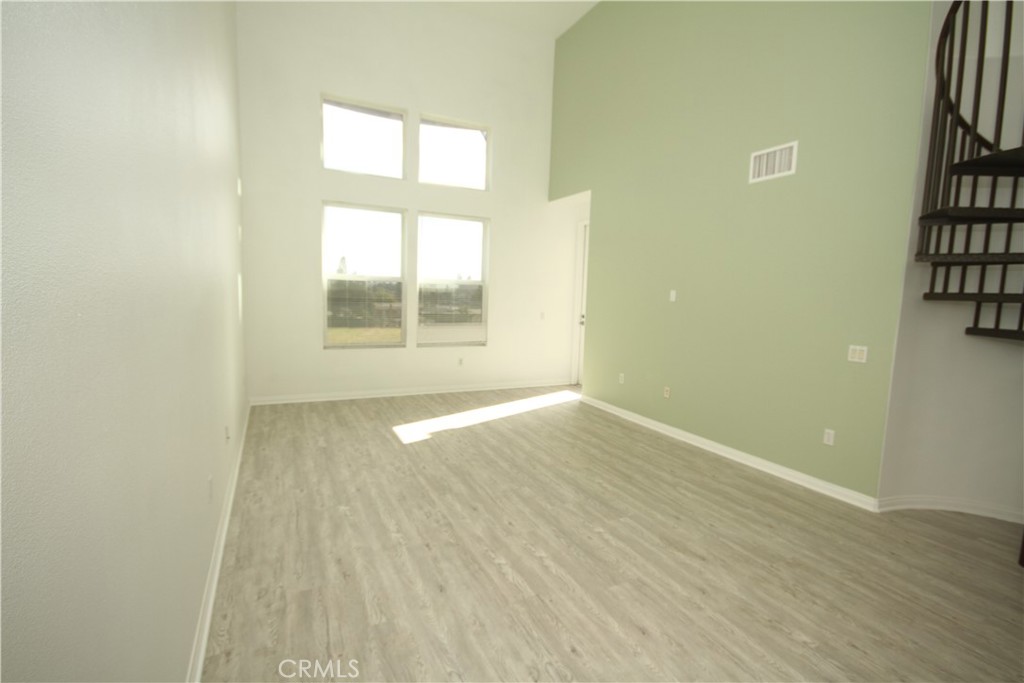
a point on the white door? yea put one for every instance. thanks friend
(580, 301)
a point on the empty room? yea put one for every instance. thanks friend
(520, 341)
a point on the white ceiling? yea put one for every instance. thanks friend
(546, 19)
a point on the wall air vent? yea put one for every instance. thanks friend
(773, 163)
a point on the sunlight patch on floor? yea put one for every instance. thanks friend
(419, 431)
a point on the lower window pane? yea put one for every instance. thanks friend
(365, 312)
(451, 304)
(452, 313)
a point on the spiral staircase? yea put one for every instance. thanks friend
(972, 221)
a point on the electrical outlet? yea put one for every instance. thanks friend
(666, 392)
(857, 354)
(672, 295)
(830, 437)
(622, 378)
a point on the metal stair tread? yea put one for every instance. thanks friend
(982, 297)
(1007, 163)
(969, 258)
(999, 334)
(963, 215)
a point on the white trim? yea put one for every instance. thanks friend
(404, 391)
(971, 507)
(813, 483)
(195, 665)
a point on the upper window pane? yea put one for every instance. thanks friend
(362, 243)
(450, 249)
(362, 140)
(451, 155)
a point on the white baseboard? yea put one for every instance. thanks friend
(813, 483)
(195, 665)
(971, 507)
(406, 391)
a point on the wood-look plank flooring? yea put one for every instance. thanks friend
(568, 544)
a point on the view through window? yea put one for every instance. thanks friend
(451, 280)
(362, 140)
(453, 155)
(362, 270)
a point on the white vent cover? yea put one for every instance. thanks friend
(773, 163)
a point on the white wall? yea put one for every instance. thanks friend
(122, 348)
(426, 58)
(955, 429)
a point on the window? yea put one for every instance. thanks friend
(452, 297)
(363, 266)
(362, 273)
(453, 155)
(362, 140)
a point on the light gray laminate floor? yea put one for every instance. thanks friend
(566, 543)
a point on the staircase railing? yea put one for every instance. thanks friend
(972, 223)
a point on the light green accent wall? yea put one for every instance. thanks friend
(657, 108)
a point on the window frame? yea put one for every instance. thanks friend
(376, 110)
(485, 245)
(402, 279)
(464, 125)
